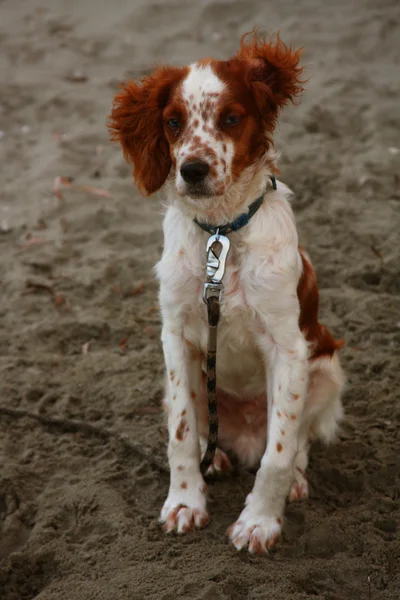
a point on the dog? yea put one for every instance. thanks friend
(204, 133)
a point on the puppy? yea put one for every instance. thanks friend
(204, 132)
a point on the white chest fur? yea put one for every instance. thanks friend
(181, 271)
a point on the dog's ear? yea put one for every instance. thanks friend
(273, 71)
(136, 122)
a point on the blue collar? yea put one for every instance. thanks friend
(242, 219)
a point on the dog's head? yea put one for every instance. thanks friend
(202, 125)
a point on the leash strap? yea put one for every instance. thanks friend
(211, 382)
(217, 253)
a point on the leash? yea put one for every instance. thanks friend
(212, 293)
(218, 246)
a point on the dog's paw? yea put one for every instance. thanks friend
(182, 518)
(299, 489)
(184, 511)
(220, 463)
(257, 533)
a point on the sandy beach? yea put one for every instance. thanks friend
(83, 468)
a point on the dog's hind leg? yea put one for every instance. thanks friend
(322, 414)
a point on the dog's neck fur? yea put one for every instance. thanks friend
(218, 210)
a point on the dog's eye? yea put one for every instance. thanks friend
(173, 123)
(231, 120)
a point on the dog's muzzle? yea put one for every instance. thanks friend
(194, 172)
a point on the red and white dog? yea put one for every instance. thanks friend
(205, 133)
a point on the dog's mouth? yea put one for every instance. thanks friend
(199, 194)
(198, 191)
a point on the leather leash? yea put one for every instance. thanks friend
(212, 293)
(217, 252)
(211, 382)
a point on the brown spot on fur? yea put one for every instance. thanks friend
(279, 521)
(193, 395)
(278, 414)
(172, 375)
(174, 397)
(183, 413)
(209, 152)
(184, 485)
(279, 447)
(322, 342)
(293, 417)
(180, 467)
(283, 432)
(181, 430)
(178, 382)
(295, 396)
(181, 252)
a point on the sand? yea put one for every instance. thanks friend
(83, 470)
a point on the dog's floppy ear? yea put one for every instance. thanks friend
(136, 122)
(273, 71)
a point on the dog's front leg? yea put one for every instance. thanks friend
(285, 352)
(185, 506)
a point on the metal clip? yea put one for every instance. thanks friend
(215, 268)
(212, 290)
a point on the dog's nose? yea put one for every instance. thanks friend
(194, 171)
